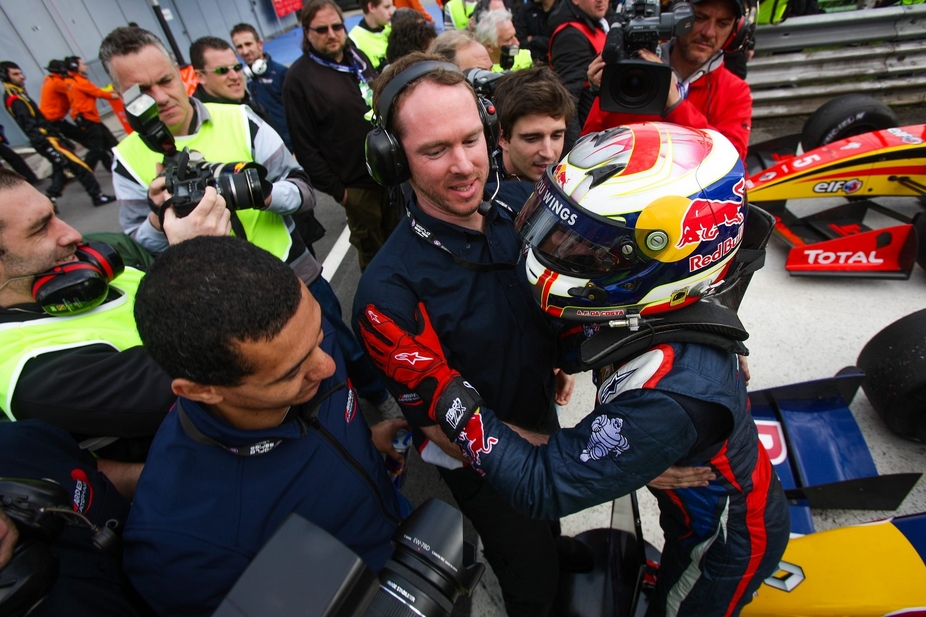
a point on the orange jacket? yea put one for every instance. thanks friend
(54, 102)
(83, 95)
(414, 4)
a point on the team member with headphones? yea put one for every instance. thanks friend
(82, 95)
(265, 77)
(704, 93)
(457, 252)
(69, 350)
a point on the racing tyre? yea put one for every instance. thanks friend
(845, 116)
(894, 361)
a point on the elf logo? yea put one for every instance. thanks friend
(846, 186)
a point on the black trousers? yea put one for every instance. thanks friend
(521, 551)
(64, 161)
(70, 131)
(99, 142)
(18, 164)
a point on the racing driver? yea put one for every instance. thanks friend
(636, 236)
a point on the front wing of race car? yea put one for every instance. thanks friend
(838, 241)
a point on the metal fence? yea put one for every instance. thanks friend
(802, 62)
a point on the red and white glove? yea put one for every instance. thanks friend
(417, 362)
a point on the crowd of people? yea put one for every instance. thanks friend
(218, 388)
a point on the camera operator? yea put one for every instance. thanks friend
(703, 93)
(266, 424)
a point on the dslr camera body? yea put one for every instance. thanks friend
(629, 84)
(244, 185)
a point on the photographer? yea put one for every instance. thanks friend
(703, 93)
(223, 134)
(495, 31)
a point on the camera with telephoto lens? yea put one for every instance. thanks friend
(302, 570)
(187, 173)
(483, 82)
(629, 84)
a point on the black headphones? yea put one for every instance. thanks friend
(79, 285)
(386, 161)
(744, 28)
(71, 63)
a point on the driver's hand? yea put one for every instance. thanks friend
(8, 537)
(673, 98)
(210, 217)
(595, 69)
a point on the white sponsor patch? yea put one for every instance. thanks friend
(455, 413)
(631, 376)
(605, 439)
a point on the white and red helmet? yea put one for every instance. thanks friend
(639, 219)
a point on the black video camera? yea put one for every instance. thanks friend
(187, 173)
(631, 85)
(302, 570)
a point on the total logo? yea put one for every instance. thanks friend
(826, 258)
(846, 186)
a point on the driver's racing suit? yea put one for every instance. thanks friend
(679, 404)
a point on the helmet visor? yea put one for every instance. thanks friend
(568, 239)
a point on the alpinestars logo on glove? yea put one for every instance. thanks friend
(412, 358)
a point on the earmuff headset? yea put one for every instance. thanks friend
(744, 28)
(71, 63)
(386, 161)
(258, 68)
(79, 285)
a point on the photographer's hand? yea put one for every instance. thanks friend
(8, 538)
(157, 195)
(595, 69)
(673, 98)
(210, 217)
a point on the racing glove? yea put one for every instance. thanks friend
(417, 362)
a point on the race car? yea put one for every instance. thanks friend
(850, 149)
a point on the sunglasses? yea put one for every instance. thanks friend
(222, 70)
(324, 29)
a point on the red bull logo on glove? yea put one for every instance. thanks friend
(704, 217)
(474, 440)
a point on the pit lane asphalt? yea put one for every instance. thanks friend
(800, 329)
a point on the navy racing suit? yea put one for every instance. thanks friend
(681, 404)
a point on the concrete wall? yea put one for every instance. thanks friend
(35, 32)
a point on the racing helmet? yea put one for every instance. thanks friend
(638, 219)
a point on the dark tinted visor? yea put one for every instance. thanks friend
(571, 241)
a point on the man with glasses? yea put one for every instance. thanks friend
(220, 73)
(327, 97)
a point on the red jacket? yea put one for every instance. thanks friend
(719, 100)
(54, 102)
(83, 98)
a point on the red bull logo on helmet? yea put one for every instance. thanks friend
(704, 217)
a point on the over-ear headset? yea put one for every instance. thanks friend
(258, 68)
(79, 285)
(743, 28)
(72, 63)
(386, 161)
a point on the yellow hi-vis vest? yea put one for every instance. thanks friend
(460, 13)
(522, 60)
(226, 138)
(373, 44)
(112, 323)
